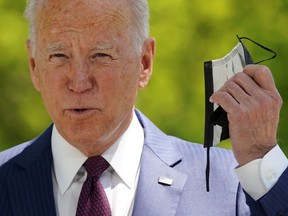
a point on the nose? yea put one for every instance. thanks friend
(80, 78)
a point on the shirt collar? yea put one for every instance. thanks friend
(67, 160)
(123, 156)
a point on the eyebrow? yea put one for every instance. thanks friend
(54, 47)
(103, 46)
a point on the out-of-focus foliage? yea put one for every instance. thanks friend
(188, 32)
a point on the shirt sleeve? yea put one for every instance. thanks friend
(260, 175)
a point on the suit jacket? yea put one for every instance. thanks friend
(26, 180)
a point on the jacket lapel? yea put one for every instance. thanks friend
(30, 187)
(160, 186)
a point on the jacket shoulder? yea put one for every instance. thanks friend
(10, 153)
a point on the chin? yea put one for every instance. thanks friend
(89, 147)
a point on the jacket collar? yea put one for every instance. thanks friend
(159, 142)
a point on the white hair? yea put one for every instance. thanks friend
(141, 15)
(140, 20)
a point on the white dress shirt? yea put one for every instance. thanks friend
(119, 180)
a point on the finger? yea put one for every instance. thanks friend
(236, 91)
(225, 100)
(247, 84)
(261, 75)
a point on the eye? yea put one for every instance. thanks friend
(101, 57)
(58, 58)
(58, 55)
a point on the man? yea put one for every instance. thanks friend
(87, 59)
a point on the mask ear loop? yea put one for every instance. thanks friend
(260, 45)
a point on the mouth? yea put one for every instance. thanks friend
(81, 112)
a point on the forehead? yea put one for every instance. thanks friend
(83, 15)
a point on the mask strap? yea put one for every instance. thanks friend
(263, 47)
(207, 172)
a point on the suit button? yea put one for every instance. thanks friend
(281, 214)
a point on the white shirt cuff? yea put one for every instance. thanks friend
(260, 175)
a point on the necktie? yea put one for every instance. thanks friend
(93, 200)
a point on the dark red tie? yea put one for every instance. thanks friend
(93, 200)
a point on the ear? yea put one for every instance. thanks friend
(147, 62)
(32, 66)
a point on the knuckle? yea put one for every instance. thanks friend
(264, 100)
(238, 77)
(222, 95)
(224, 98)
(229, 84)
(278, 103)
(278, 99)
(269, 102)
(264, 69)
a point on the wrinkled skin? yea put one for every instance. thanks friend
(253, 105)
(87, 69)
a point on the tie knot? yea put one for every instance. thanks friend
(95, 166)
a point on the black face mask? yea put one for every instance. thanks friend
(217, 72)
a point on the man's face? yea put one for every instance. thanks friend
(87, 69)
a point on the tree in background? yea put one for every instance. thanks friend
(188, 32)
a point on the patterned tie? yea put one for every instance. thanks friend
(93, 200)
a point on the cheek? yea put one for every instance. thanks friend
(121, 89)
(51, 77)
(51, 87)
(51, 95)
(130, 81)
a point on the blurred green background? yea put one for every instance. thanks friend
(188, 32)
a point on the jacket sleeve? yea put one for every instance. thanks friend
(275, 202)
